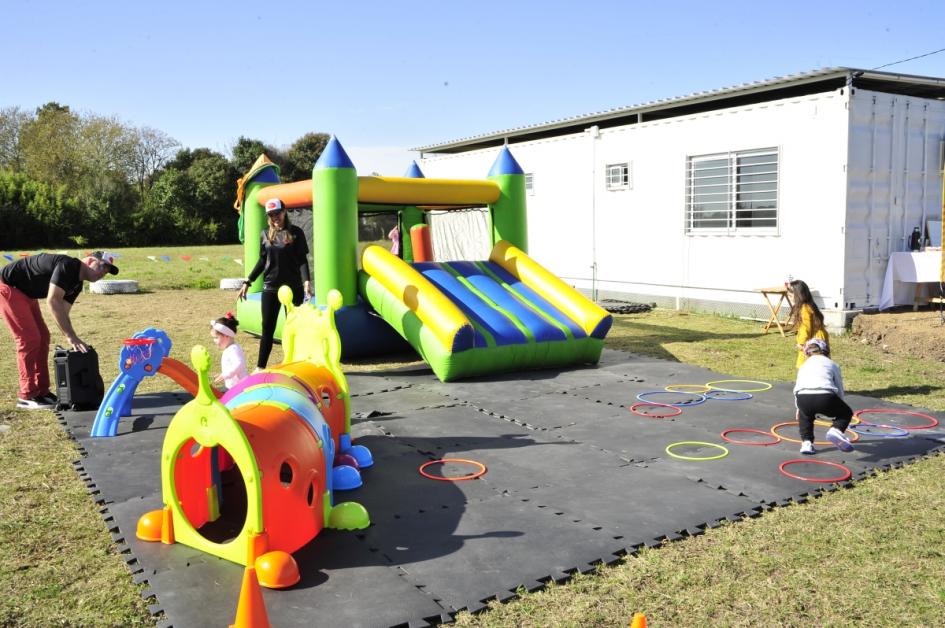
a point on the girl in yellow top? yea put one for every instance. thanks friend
(807, 317)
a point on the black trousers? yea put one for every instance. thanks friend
(270, 316)
(825, 403)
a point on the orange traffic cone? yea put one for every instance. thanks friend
(251, 611)
(639, 621)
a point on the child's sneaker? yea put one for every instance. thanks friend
(807, 448)
(839, 439)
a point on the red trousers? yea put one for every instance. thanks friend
(31, 339)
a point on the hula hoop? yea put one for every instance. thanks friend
(700, 398)
(634, 407)
(753, 431)
(822, 423)
(471, 476)
(777, 426)
(932, 420)
(669, 451)
(701, 388)
(766, 385)
(717, 395)
(136, 342)
(845, 475)
(866, 426)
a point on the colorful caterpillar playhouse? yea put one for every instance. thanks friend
(464, 318)
(250, 475)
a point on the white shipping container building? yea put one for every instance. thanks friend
(695, 202)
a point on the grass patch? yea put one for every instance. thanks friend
(866, 556)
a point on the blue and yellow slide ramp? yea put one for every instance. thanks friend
(470, 318)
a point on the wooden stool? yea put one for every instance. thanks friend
(784, 296)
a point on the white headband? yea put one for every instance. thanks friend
(223, 329)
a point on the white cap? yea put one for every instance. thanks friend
(274, 205)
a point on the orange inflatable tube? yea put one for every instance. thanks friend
(421, 243)
(393, 190)
(292, 195)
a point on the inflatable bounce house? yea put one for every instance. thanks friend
(250, 476)
(464, 318)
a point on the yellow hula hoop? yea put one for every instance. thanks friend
(822, 423)
(696, 442)
(688, 388)
(766, 385)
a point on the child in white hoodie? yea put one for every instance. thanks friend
(819, 390)
(233, 362)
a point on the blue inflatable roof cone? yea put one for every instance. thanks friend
(334, 156)
(505, 164)
(414, 172)
(266, 175)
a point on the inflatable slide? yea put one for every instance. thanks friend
(469, 318)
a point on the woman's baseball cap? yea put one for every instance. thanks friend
(274, 205)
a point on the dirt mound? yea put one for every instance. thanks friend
(919, 334)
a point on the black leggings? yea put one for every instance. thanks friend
(827, 404)
(270, 316)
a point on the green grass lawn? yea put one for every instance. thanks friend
(871, 555)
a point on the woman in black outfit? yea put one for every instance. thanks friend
(283, 261)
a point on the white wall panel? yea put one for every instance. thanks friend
(895, 180)
(853, 182)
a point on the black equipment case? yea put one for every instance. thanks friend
(79, 384)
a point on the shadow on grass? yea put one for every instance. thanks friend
(648, 339)
(892, 391)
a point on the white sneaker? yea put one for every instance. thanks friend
(36, 403)
(839, 439)
(807, 448)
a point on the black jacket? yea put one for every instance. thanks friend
(282, 264)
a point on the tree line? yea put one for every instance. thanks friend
(71, 179)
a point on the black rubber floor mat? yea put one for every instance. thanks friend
(572, 479)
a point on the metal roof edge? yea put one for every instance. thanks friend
(812, 76)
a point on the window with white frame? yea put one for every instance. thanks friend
(732, 192)
(618, 176)
(530, 183)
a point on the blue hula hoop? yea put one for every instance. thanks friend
(864, 427)
(715, 394)
(701, 398)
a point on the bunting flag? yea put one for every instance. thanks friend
(152, 258)
(9, 257)
(166, 258)
(186, 258)
(238, 261)
(204, 259)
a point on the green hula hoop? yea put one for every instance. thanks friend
(696, 442)
(766, 385)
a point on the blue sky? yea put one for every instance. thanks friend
(387, 76)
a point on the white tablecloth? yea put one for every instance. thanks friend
(903, 271)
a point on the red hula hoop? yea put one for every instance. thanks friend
(846, 475)
(634, 407)
(470, 476)
(932, 420)
(752, 431)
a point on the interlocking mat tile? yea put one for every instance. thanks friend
(574, 479)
